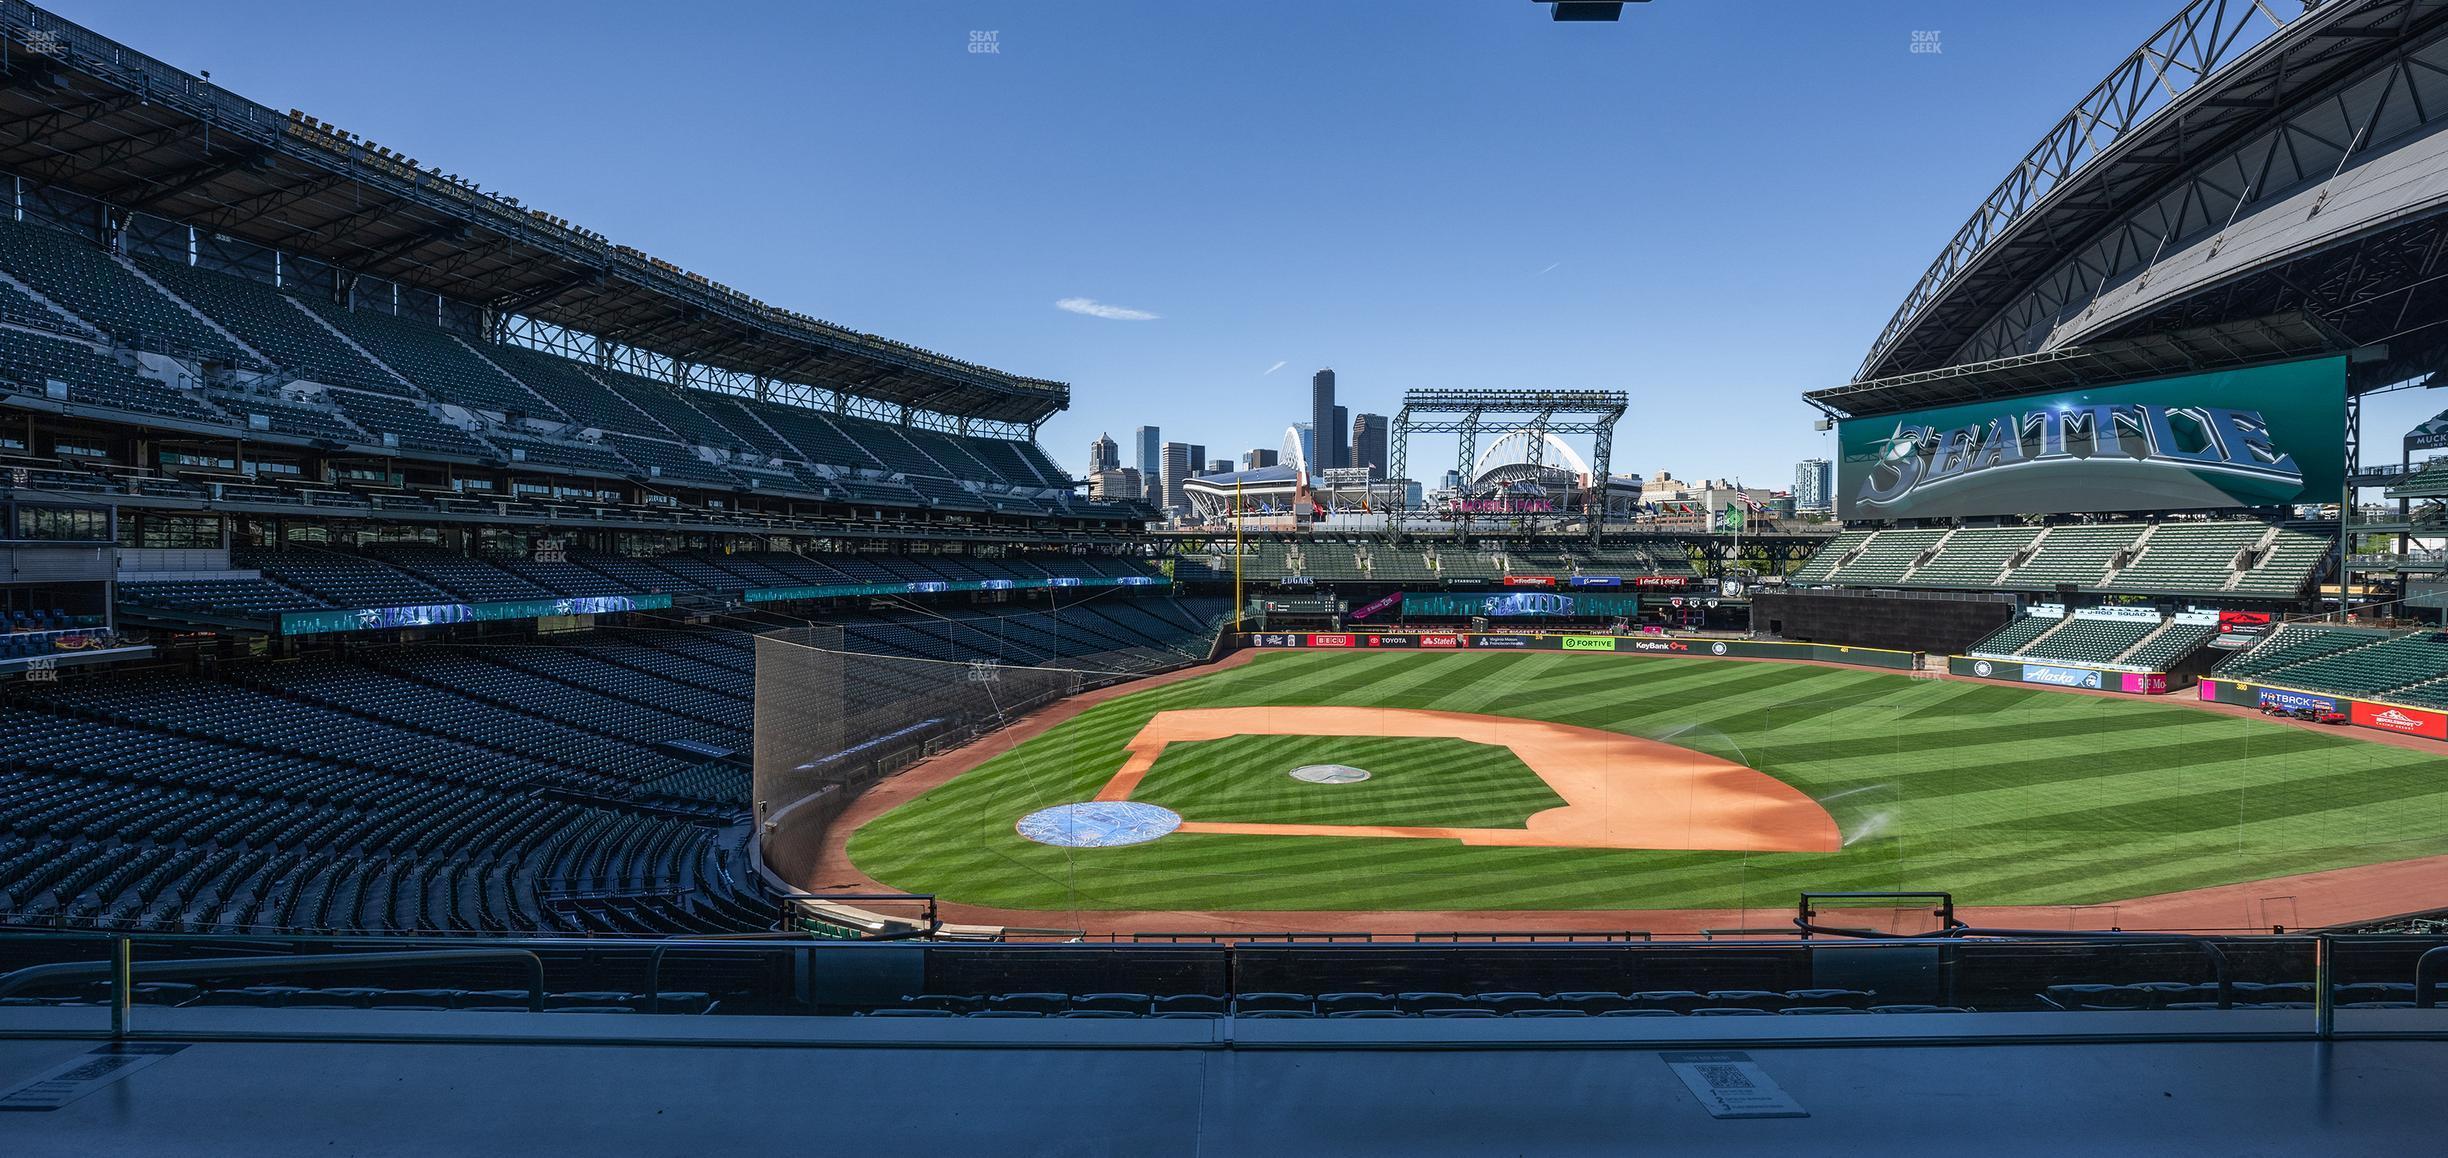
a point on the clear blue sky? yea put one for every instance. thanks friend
(1714, 204)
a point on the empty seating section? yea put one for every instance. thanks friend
(455, 788)
(2077, 554)
(668, 463)
(342, 580)
(2375, 669)
(267, 319)
(78, 276)
(473, 580)
(2011, 638)
(2088, 640)
(575, 392)
(410, 425)
(2188, 558)
(2177, 558)
(93, 378)
(1822, 564)
(1887, 557)
(248, 597)
(431, 357)
(815, 436)
(668, 407)
(16, 308)
(2175, 643)
(1975, 557)
(591, 458)
(2288, 567)
(284, 416)
(889, 447)
(736, 416)
(2292, 644)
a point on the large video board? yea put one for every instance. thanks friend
(2258, 437)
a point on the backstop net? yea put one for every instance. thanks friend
(832, 721)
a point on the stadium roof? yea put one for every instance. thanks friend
(2216, 73)
(85, 113)
(2214, 347)
(1255, 476)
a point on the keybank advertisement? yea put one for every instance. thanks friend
(2263, 436)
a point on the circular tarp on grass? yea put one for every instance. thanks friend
(1098, 824)
(1330, 774)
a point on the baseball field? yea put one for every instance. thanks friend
(1555, 781)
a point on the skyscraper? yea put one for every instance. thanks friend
(1198, 460)
(1814, 486)
(1103, 455)
(1151, 452)
(1175, 460)
(1323, 432)
(1219, 466)
(1369, 443)
(1340, 439)
(1254, 458)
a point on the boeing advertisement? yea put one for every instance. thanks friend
(2263, 436)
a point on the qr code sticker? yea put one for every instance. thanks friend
(1724, 1077)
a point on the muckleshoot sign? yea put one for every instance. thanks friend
(2264, 436)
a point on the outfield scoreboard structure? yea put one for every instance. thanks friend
(2263, 436)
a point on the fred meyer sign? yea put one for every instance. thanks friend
(2257, 437)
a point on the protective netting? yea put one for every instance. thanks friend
(832, 720)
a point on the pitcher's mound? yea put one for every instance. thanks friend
(1330, 774)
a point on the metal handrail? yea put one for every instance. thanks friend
(123, 975)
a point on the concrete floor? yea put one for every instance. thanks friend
(425, 1098)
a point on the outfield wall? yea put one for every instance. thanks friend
(2378, 715)
(1555, 641)
(2059, 675)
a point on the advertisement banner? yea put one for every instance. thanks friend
(1330, 641)
(1375, 606)
(1529, 580)
(2255, 437)
(2408, 721)
(1443, 641)
(2142, 683)
(1659, 645)
(1520, 605)
(2063, 677)
(2274, 698)
(1388, 639)
(1589, 643)
(1501, 641)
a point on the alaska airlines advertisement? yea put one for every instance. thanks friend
(2257, 437)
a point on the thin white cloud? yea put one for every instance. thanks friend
(1272, 369)
(1096, 309)
(1550, 269)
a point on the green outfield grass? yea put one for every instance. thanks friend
(2003, 794)
(1412, 781)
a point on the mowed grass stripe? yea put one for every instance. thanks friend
(2006, 795)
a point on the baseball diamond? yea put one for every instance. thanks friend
(2015, 795)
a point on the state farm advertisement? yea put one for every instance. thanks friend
(1444, 641)
(2411, 721)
